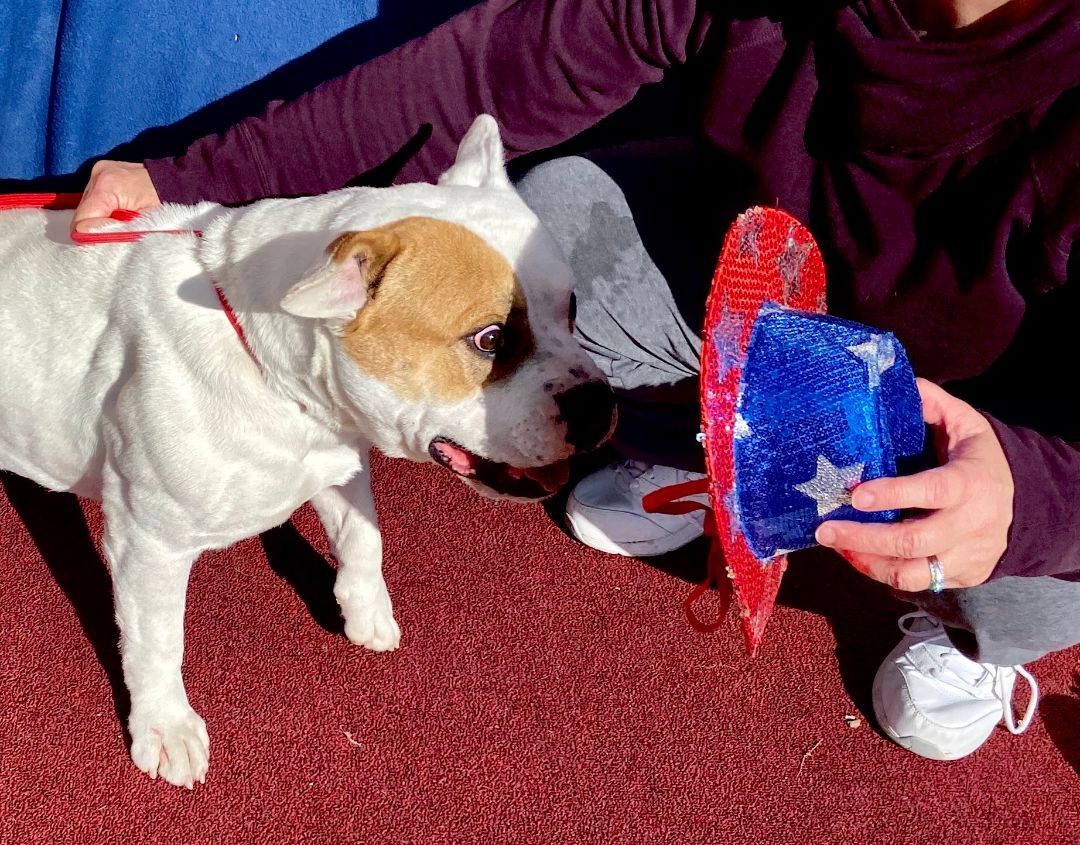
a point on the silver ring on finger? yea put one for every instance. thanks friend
(937, 574)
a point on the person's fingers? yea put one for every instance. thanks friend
(933, 489)
(909, 576)
(936, 402)
(113, 186)
(912, 538)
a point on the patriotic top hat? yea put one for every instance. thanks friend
(797, 409)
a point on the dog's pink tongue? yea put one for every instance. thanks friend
(457, 458)
(550, 477)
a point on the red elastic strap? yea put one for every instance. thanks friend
(666, 499)
(715, 579)
(669, 500)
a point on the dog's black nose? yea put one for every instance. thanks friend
(587, 410)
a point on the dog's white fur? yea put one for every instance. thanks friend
(123, 381)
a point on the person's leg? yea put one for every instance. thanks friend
(949, 683)
(629, 321)
(626, 316)
(1008, 621)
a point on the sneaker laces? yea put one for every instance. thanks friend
(932, 627)
(1005, 697)
(628, 471)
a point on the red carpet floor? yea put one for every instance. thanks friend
(542, 693)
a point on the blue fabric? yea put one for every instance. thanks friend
(81, 77)
(824, 404)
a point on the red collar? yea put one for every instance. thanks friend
(60, 202)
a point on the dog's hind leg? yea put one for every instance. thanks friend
(348, 514)
(168, 738)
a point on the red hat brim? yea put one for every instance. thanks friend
(768, 256)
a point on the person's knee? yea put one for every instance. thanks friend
(564, 182)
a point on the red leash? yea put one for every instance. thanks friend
(67, 202)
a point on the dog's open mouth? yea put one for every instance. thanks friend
(519, 482)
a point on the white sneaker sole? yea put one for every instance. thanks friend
(594, 539)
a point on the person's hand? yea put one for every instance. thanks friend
(114, 185)
(969, 500)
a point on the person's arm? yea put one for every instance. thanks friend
(1044, 538)
(546, 69)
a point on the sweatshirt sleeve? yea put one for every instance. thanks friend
(546, 69)
(1044, 538)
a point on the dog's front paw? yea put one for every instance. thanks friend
(369, 619)
(176, 747)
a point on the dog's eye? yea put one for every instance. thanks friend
(489, 340)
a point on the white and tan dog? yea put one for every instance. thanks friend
(429, 321)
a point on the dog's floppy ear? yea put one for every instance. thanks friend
(480, 158)
(341, 286)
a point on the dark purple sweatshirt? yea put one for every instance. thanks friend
(941, 177)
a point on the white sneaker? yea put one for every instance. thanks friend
(604, 510)
(934, 701)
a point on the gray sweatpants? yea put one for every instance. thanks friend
(622, 219)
